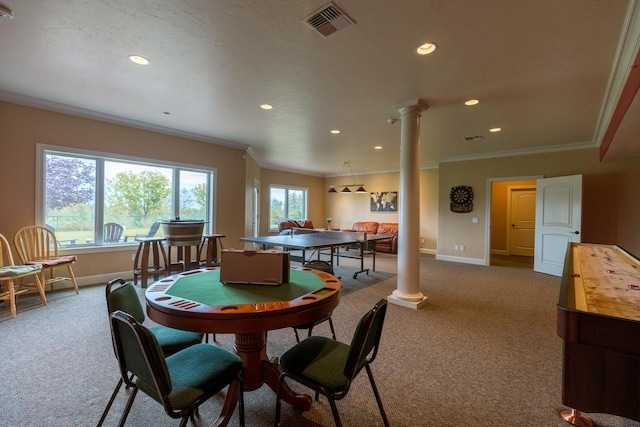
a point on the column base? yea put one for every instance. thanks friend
(392, 299)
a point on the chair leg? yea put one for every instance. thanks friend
(12, 297)
(295, 331)
(333, 331)
(375, 391)
(127, 408)
(113, 397)
(73, 278)
(334, 411)
(241, 402)
(276, 420)
(40, 286)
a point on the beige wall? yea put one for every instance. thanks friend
(345, 209)
(609, 213)
(610, 210)
(314, 184)
(21, 128)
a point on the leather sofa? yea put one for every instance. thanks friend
(380, 228)
(284, 227)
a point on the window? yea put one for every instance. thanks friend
(286, 203)
(84, 194)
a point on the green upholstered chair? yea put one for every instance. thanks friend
(123, 296)
(329, 366)
(180, 382)
(327, 268)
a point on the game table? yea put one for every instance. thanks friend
(197, 301)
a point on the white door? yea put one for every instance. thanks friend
(522, 220)
(558, 221)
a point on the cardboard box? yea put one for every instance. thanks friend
(254, 267)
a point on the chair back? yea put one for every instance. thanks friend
(366, 339)
(154, 229)
(34, 243)
(124, 297)
(6, 258)
(139, 353)
(112, 232)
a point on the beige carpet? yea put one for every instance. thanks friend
(483, 352)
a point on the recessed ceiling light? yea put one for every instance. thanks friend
(426, 48)
(472, 102)
(495, 130)
(137, 59)
(335, 131)
(266, 106)
(378, 147)
(5, 12)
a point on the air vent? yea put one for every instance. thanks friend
(474, 138)
(328, 20)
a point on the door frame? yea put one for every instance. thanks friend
(487, 229)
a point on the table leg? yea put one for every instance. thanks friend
(228, 407)
(258, 369)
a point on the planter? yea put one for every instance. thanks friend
(186, 232)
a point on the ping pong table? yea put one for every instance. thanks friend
(315, 240)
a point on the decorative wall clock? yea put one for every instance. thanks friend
(461, 198)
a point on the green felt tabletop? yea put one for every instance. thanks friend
(206, 288)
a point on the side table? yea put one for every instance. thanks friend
(141, 266)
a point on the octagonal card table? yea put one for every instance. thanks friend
(197, 301)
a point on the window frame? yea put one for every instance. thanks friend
(177, 167)
(286, 188)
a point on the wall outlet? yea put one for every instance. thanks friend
(461, 248)
(133, 257)
(422, 241)
(456, 248)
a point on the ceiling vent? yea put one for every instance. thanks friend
(328, 19)
(474, 138)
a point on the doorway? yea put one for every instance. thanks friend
(511, 224)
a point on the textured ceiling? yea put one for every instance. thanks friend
(546, 71)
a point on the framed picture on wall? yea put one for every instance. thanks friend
(384, 201)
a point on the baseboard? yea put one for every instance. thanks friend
(428, 251)
(463, 260)
(94, 280)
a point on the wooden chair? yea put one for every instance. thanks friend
(38, 245)
(12, 277)
(62, 243)
(329, 367)
(152, 232)
(180, 382)
(112, 232)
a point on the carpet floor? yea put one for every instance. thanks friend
(482, 352)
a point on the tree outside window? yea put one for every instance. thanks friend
(286, 203)
(84, 192)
